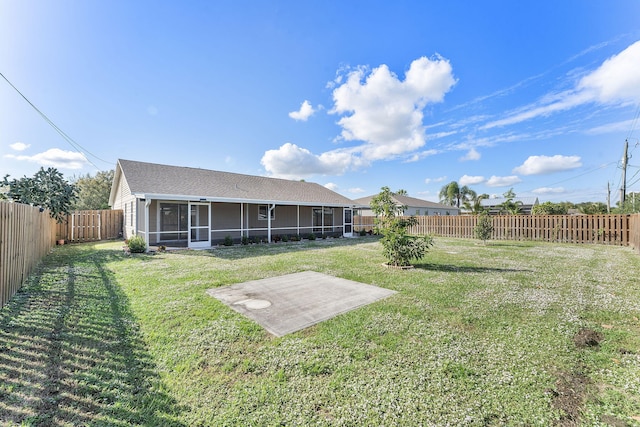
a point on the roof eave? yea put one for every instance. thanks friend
(196, 198)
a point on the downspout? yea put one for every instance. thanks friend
(271, 207)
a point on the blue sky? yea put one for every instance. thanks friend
(538, 96)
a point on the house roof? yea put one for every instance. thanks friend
(407, 201)
(526, 201)
(150, 180)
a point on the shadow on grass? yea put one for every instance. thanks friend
(71, 352)
(455, 268)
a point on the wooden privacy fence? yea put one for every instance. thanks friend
(604, 229)
(26, 235)
(634, 232)
(88, 226)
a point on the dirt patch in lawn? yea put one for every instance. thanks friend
(587, 338)
(572, 388)
(568, 397)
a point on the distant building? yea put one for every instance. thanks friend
(417, 207)
(493, 206)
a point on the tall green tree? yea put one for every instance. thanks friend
(549, 208)
(454, 195)
(47, 189)
(630, 205)
(93, 192)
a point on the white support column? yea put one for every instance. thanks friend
(247, 215)
(241, 220)
(147, 203)
(271, 207)
(298, 226)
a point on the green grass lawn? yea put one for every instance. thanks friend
(512, 333)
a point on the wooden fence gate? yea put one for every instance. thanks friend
(89, 226)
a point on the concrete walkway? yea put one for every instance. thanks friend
(293, 302)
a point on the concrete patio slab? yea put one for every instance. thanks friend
(289, 303)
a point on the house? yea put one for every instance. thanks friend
(183, 206)
(525, 204)
(412, 206)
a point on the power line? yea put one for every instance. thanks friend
(66, 137)
(606, 165)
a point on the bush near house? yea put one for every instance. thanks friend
(136, 245)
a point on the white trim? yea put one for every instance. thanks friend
(236, 200)
(190, 226)
(147, 203)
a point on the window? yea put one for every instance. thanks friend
(322, 217)
(262, 212)
(173, 221)
(418, 212)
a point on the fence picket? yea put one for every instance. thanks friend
(622, 230)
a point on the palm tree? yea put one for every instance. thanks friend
(475, 204)
(452, 194)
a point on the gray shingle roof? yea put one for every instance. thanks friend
(156, 179)
(407, 201)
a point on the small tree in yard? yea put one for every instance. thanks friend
(398, 246)
(484, 227)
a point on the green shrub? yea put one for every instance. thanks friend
(244, 240)
(398, 246)
(363, 232)
(484, 227)
(137, 245)
(285, 238)
(228, 241)
(312, 236)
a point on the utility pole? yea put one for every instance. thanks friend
(623, 188)
(608, 197)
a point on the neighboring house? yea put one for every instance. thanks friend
(182, 206)
(526, 205)
(413, 206)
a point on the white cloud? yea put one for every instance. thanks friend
(421, 155)
(622, 126)
(470, 180)
(306, 110)
(540, 165)
(472, 154)
(616, 81)
(378, 109)
(430, 180)
(56, 158)
(385, 112)
(549, 190)
(19, 146)
(503, 181)
(356, 190)
(331, 186)
(293, 162)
